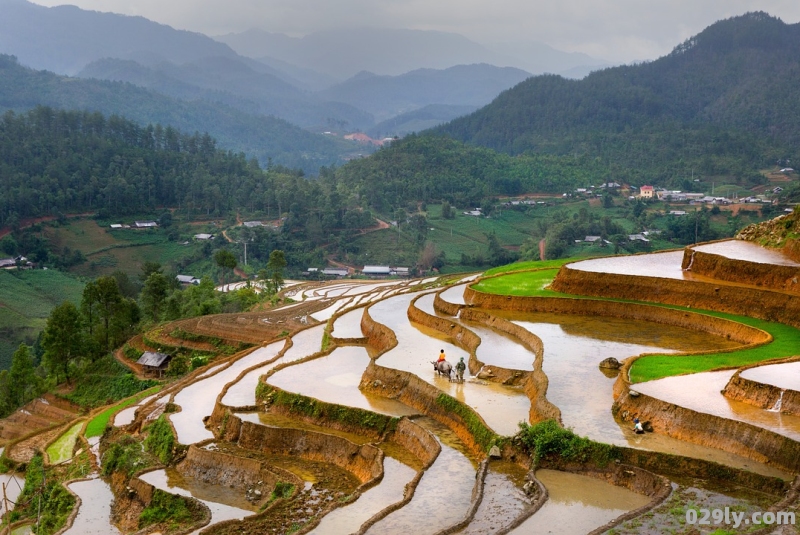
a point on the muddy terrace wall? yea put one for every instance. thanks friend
(762, 395)
(365, 462)
(446, 307)
(377, 334)
(771, 276)
(732, 436)
(219, 468)
(762, 304)
(414, 392)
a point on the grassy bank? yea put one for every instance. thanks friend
(533, 284)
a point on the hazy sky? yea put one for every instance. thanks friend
(615, 30)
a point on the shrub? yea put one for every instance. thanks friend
(548, 438)
(160, 440)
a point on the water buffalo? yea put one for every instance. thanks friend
(442, 367)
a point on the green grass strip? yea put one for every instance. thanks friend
(61, 450)
(786, 339)
(97, 426)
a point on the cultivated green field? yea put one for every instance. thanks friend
(786, 339)
(26, 299)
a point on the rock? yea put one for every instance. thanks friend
(485, 373)
(634, 393)
(610, 363)
(377, 383)
(494, 452)
(647, 426)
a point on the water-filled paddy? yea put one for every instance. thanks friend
(242, 393)
(701, 392)
(501, 407)
(785, 376)
(197, 400)
(578, 504)
(745, 250)
(94, 514)
(216, 497)
(443, 495)
(348, 325)
(389, 490)
(664, 265)
(335, 379)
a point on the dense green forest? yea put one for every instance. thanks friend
(722, 103)
(263, 137)
(427, 168)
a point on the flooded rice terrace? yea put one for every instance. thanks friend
(411, 497)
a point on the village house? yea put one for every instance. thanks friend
(145, 224)
(377, 271)
(186, 280)
(154, 364)
(646, 192)
(335, 272)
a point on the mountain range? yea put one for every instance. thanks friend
(319, 95)
(729, 92)
(344, 53)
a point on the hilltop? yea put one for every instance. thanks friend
(722, 102)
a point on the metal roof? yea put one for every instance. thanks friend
(149, 358)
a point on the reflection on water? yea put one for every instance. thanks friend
(197, 400)
(578, 504)
(348, 325)
(701, 392)
(574, 346)
(243, 392)
(785, 376)
(501, 407)
(126, 415)
(335, 379)
(12, 486)
(454, 294)
(443, 495)
(389, 490)
(664, 265)
(749, 251)
(94, 514)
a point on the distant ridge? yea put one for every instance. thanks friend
(64, 39)
(730, 92)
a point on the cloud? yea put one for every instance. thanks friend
(616, 30)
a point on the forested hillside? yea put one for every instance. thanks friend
(58, 161)
(428, 168)
(259, 136)
(723, 102)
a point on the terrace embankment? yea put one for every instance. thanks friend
(446, 307)
(732, 436)
(429, 400)
(365, 462)
(715, 266)
(762, 395)
(217, 468)
(377, 334)
(764, 304)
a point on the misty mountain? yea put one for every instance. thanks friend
(259, 136)
(462, 85)
(64, 39)
(726, 93)
(234, 82)
(418, 120)
(540, 58)
(344, 53)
